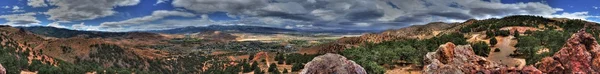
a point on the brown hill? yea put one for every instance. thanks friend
(80, 47)
(412, 32)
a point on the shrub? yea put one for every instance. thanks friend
(493, 41)
(496, 50)
(481, 49)
(272, 67)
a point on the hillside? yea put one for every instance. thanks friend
(520, 42)
(532, 37)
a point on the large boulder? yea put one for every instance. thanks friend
(332, 64)
(453, 59)
(580, 55)
(2, 70)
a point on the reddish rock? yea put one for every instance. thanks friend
(579, 55)
(453, 59)
(2, 70)
(332, 64)
(531, 70)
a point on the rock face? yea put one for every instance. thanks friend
(581, 55)
(332, 64)
(452, 59)
(2, 70)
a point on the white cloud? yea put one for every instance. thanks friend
(37, 3)
(82, 26)
(17, 9)
(161, 1)
(25, 19)
(156, 15)
(6, 7)
(57, 25)
(594, 7)
(574, 15)
(74, 10)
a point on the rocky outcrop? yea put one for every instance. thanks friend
(453, 59)
(2, 70)
(580, 55)
(332, 64)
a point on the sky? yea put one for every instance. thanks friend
(141, 15)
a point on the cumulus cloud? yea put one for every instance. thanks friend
(156, 15)
(74, 10)
(37, 3)
(25, 19)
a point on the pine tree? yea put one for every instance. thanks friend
(272, 67)
(254, 66)
(493, 41)
(285, 70)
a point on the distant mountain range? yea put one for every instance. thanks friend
(66, 33)
(255, 29)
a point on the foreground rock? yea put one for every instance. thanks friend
(452, 59)
(2, 70)
(332, 64)
(580, 55)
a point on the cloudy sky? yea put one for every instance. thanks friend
(136, 15)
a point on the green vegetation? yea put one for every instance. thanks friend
(297, 67)
(285, 70)
(272, 67)
(528, 46)
(481, 48)
(243, 46)
(495, 24)
(493, 41)
(372, 56)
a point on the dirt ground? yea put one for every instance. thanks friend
(506, 46)
(404, 70)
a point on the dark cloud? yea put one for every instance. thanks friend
(357, 14)
(74, 10)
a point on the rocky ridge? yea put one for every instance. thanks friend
(581, 55)
(461, 59)
(2, 70)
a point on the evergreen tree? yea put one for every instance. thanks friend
(285, 70)
(258, 71)
(516, 34)
(493, 41)
(254, 66)
(272, 67)
(297, 67)
(247, 67)
(481, 49)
